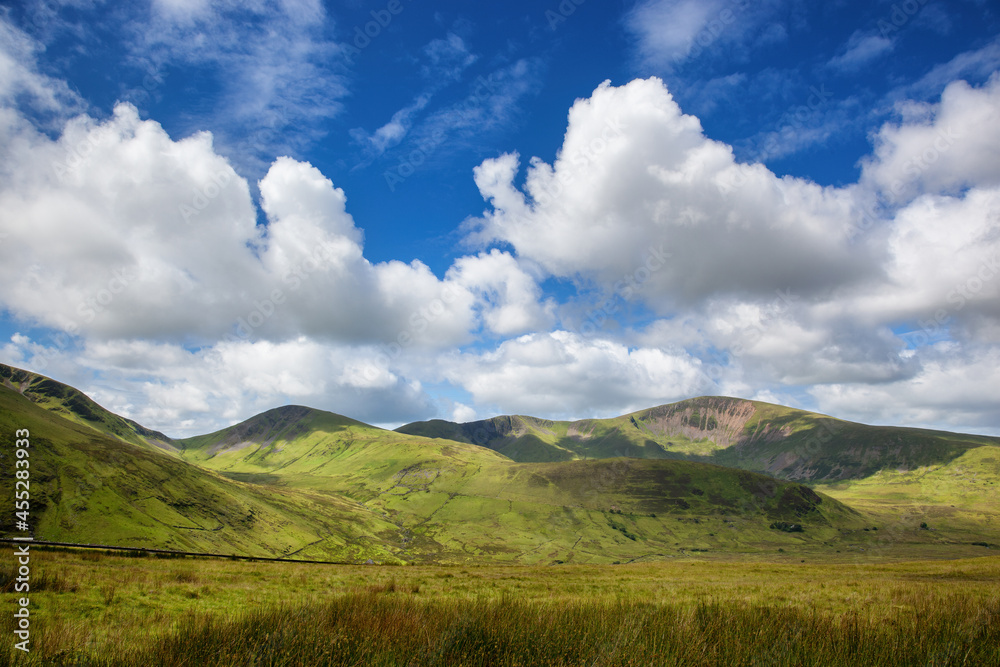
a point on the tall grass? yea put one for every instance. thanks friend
(393, 628)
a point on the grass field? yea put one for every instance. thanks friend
(98, 609)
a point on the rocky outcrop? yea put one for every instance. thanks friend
(721, 420)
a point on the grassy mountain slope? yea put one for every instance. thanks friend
(900, 478)
(77, 407)
(303, 482)
(92, 488)
(454, 501)
(958, 500)
(752, 435)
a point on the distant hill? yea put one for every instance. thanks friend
(752, 435)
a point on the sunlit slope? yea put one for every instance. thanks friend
(752, 435)
(455, 501)
(87, 487)
(957, 501)
(72, 404)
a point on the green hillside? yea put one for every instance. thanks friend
(456, 501)
(88, 487)
(901, 478)
(77, 407)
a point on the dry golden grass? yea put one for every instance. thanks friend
(147, 611)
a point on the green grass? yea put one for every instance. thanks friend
(957, 502)
(110, 610)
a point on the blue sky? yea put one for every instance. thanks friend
(398, 211)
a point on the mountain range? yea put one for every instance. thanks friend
(711, 477)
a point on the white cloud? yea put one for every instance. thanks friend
(492, 102)
(977, 64)
(97, 230)
(22, 83)
(670, 32)
(956, 389)
(861, 49)
(603, 203)
(510, 298)
(274, 65)
(636, 178)
(568, 375)
(462, 414)
(447, 58)
(941, 148)
(136, 235)
(714, 276)
(183, 392)
(667, 29)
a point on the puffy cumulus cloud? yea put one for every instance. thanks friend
(956, 389)
(792, 343)
(755, 273)
(510, 299)
(134, 235)
(945, 261)
(636, 176)
(97, 236)
(568, 375)
(940, 148)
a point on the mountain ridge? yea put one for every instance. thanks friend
(752, 435)
(73, 404)
(321, 485)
